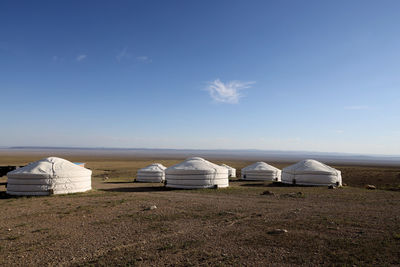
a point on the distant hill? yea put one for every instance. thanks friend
(244, 154)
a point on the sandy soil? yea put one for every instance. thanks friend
(111, 225)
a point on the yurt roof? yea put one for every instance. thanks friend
(227, 166)
(310, 166)
(155, 167)
(50, 167)
(260, 166)
(195, 165)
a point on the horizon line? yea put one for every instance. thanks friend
(198, 149)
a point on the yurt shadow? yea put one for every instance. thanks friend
(137, 189)
(127, 182)
(261, 184)
(4, 195)
(274, 184)
(280, 184)
(151, 189)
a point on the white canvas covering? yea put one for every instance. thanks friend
(261, 171)
(311, 172)
(196, 173)
(231, 170)
(154, 173)
(49, 176)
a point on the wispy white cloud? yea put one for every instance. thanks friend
(356, 107)
(227, 92)
(123, 54)
(81, 57)
(144, 59)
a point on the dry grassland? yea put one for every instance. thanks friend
(110, 225)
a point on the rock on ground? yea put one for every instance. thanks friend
(277, 231)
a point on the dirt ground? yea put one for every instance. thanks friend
(111, 225)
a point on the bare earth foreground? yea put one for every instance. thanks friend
(112, 225)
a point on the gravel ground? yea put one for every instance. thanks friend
(113, 225)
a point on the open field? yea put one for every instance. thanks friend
(111, 226)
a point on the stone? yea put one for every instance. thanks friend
(153, 207)
(277, 232)
(370, 187)
(268, 193)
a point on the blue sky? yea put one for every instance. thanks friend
(287, 75)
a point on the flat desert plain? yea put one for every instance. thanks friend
(112, 225)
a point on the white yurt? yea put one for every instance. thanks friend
(261, 171)
(311, 172)
(154, 173)
(196, 173)
(231, 170)
(49, 176)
